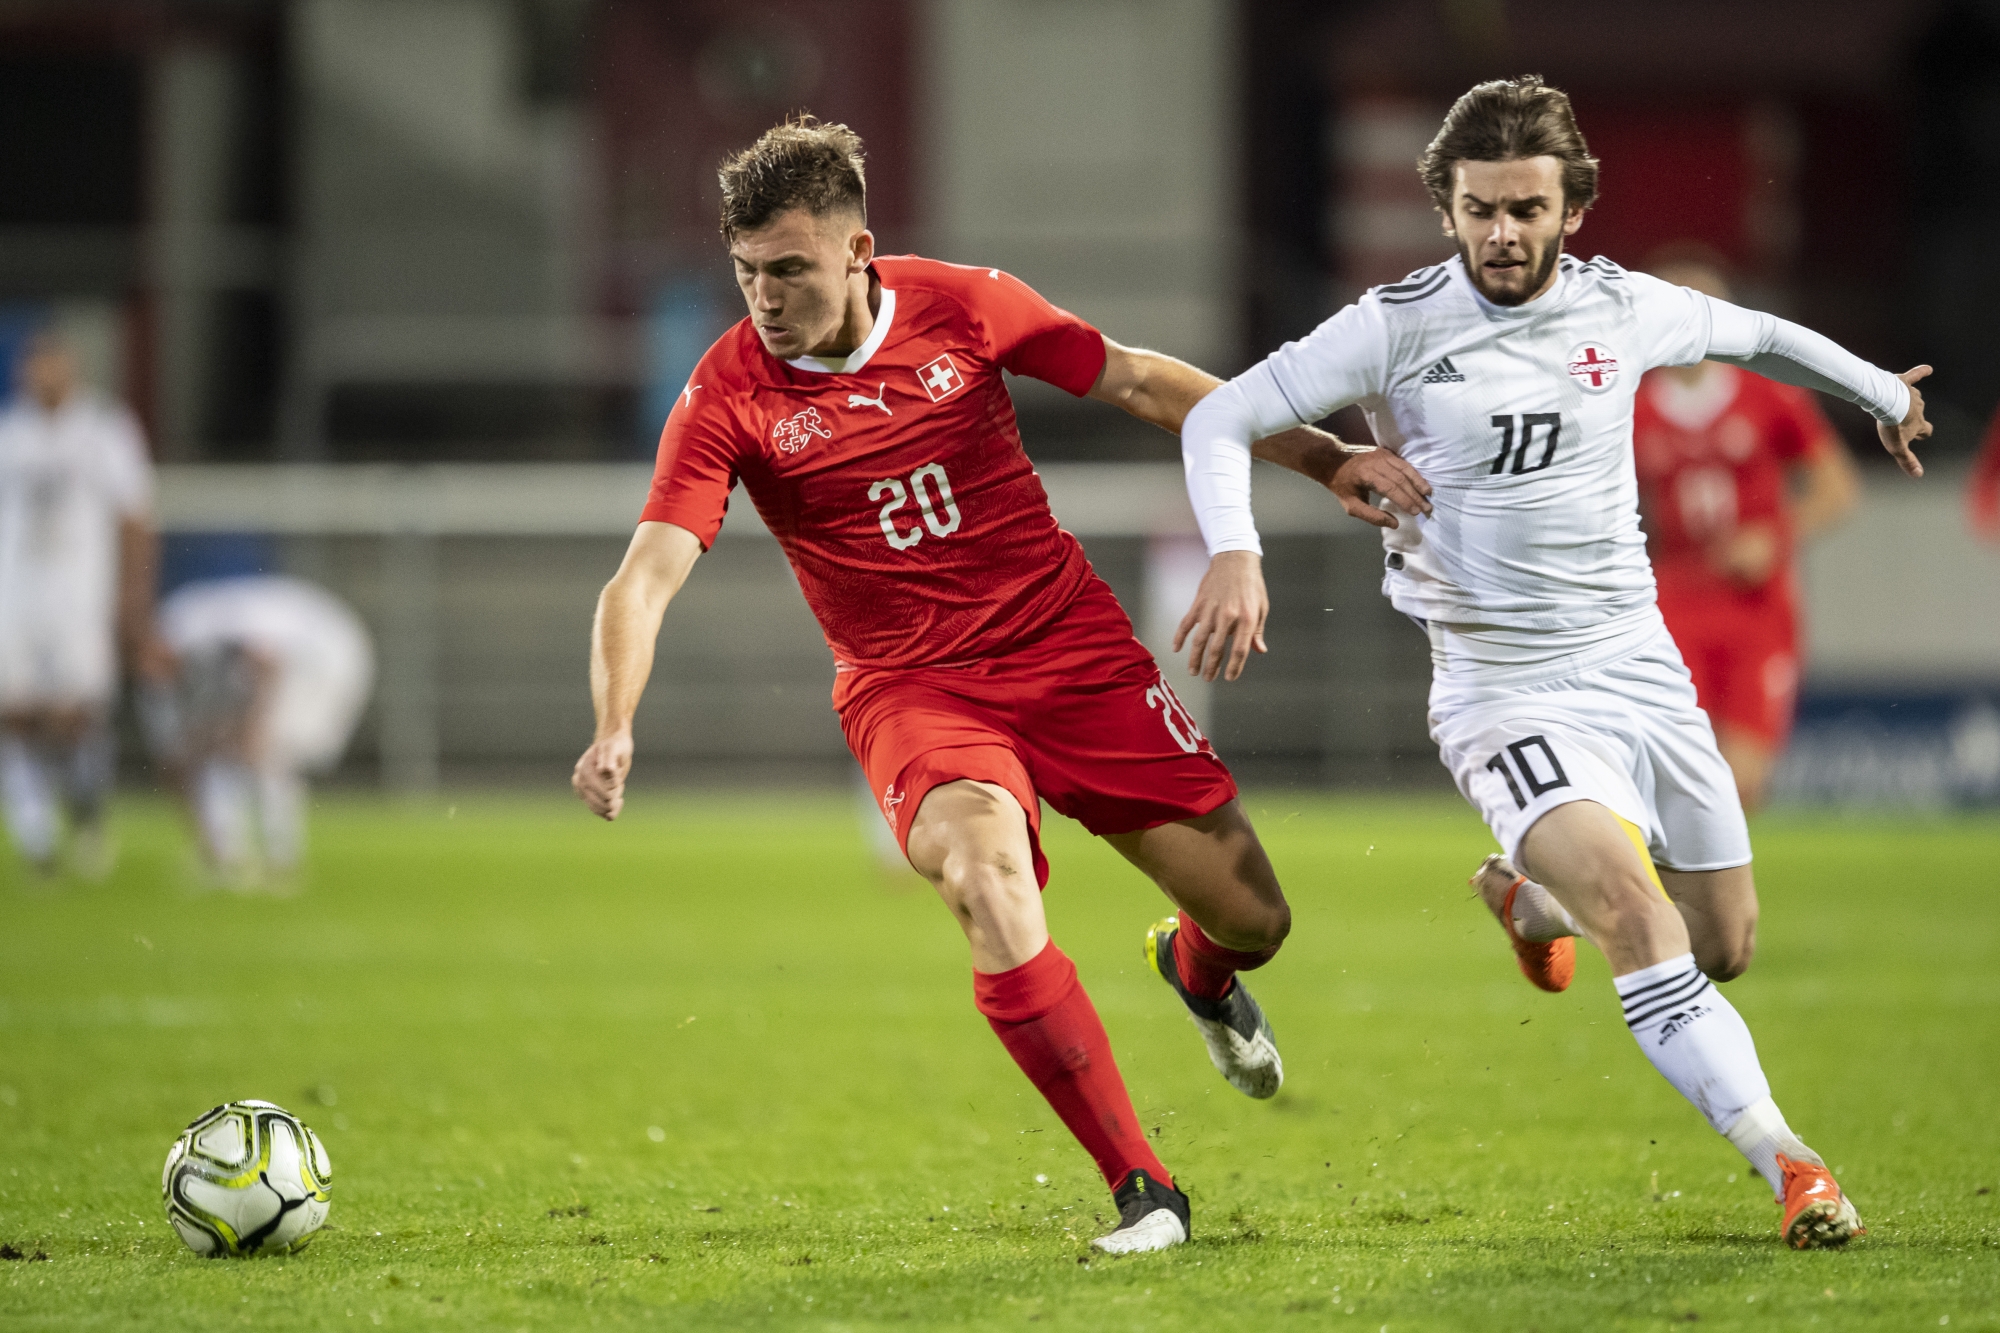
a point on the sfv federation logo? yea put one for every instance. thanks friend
(1444, 372)
(795, 432)
(1593, 367)
(940, 378)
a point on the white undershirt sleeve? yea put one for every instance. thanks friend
(1339, 363)
(1783, 351)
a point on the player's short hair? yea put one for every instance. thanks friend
(803, 163)
(1504, 121)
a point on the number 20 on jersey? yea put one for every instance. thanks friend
(932, 490)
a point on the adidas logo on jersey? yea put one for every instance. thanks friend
(1444, 372)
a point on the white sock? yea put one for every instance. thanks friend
(1698, 1041)
(1760, 1134)
(30, 801)
(88, 768)
(1539, 917)
(281, 801)
(222, 796)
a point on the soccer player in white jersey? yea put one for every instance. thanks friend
(76, 575)
(1559, 702)
(271, 674)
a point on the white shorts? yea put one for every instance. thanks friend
(1624, 733)
(49, 661)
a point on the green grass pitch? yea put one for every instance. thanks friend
(704, 1069)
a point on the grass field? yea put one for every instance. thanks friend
(706, 1070)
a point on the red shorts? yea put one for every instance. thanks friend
(1744, 658)
(1080, 718)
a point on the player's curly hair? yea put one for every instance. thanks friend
(1504, 121)
(803, 163)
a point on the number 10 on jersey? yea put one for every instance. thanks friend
(932, 489)
(1517, 435)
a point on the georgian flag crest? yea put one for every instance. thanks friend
(1593, 366)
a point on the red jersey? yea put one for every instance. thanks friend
(1712, 458)
(894, 478)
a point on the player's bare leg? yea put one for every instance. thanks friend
(1720, 908)
(1233, 918)
(970, 840)
(1586, 857)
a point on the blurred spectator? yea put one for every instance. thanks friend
(1982, 488)
(1734, 471)
(77, 550)
(271, 676)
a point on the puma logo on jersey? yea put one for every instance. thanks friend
(795, 432)
(863, 400)
(687, 395)
(1444, 372)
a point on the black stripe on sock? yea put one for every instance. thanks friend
(1682, 988)
(1670, 1004)
(1634, 997)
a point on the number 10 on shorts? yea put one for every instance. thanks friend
(1541, 772)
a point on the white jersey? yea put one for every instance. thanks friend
(66, 480)
(1520, 418)
(325, 660)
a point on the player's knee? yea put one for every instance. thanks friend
(1273, 923)
(1726, 955)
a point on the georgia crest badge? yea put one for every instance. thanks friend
(795, 432)
(1593, 366)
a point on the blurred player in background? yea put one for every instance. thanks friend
(270, 676)
(1982, 487)
(77, 557)
(1558, 700)
(1734, 472)
(981, 666)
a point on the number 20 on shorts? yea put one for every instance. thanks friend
(932, 489)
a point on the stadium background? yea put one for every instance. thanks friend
(401, 292)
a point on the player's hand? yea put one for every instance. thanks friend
(1898, 438)
(599, 777)
(1749, 555)
(1229, 608)
(1371, 472)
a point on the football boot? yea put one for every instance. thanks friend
(1817, 1215)
(1152, 1215)
(1548, 964)
(1238, 1036)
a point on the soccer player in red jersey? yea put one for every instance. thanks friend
(1982, 487)
(1734, 471)
(981, 666)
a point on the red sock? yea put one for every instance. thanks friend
(1206, 967)
(1043, 1017)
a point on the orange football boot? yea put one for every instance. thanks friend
(1817, 1215)
(1549, 964)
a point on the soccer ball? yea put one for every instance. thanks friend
(247, 1178)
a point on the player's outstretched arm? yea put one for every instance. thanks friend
(629, 611)
(1162, 390)
(1792, 354)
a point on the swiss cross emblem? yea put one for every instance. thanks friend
(795, 432)
(940, 378)
(1593, 367)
